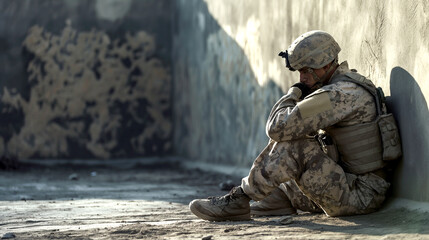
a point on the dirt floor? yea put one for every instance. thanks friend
(149, 200)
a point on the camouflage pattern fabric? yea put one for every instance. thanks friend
(292, 155)
(313, 49)
(297, 197)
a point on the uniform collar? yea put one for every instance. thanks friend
(341, 69)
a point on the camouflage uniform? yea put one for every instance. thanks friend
(309, 173)
(294, 160)
(297, 198)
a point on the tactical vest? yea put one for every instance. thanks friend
(365, 147)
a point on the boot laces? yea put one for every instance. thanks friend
(231, 196)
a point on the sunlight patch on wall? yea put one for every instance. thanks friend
(112, 9)
(248, 38)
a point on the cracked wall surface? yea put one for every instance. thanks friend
(227, 73)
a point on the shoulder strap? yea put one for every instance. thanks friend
(362, 81)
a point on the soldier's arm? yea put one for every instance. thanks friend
(291, 120)
(288, 101)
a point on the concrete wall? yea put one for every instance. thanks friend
(91, 79)
(220, 105)
(85, 79)
(227, 73)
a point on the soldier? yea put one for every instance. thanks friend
(302, 167)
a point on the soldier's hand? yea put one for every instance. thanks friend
(304, 89)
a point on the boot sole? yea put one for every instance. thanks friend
(274, 212)
(243, 217)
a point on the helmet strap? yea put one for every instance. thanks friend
(320, 81)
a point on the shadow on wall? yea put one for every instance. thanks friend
(220, 110)
(410, 108)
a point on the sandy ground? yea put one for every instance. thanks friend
(149, 200)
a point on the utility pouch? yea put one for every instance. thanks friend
(390, 137)
(389, 133)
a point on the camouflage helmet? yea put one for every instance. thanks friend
(314, 49)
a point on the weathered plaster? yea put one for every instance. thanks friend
(89, 89)
(241, 40)
(74, 93)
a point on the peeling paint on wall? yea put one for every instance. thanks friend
(91, 97)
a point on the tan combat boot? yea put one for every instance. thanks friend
(234, 206)
(276, 204)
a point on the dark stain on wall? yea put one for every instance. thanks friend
(85, 79)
